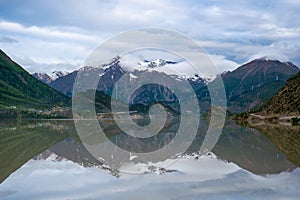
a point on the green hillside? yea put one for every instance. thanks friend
(18, 88)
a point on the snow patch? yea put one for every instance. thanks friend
(57, 74)
(131, 76)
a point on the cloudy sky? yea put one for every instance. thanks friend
(44, 36)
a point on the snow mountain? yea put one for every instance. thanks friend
(48, 78)
(132, 68)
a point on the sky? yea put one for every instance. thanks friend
(44, 36)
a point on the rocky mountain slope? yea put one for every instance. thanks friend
(287, 100)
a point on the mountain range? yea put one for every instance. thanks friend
(111, 72)
(247, 87)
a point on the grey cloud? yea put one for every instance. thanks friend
(5, 39)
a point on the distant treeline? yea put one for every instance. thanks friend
(14, 114)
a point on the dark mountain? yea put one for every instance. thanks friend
(103, 101)
(287, 100)
(252, 84)
(18, 88)
(196, 82)
(111, 72)
(65, 84)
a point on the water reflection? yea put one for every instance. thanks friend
(286, 137)
(251, 150)
(21, 141)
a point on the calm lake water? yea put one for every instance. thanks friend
(47, 160)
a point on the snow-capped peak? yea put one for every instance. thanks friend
(48, 78)
(272, 58)
(158, 63)
(134, 65)
(267, 58)
(57, 74)
(44, 77)
(180, 68)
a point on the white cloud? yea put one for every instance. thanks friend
(38, 55)
(47, 32)
(223, 64)
(236, 31)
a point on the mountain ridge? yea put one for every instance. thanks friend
(243, 84)
(48, 78)
(247, 87)
(20, 89)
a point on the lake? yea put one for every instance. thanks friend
(45, 159)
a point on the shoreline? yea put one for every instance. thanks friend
(254, 119)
